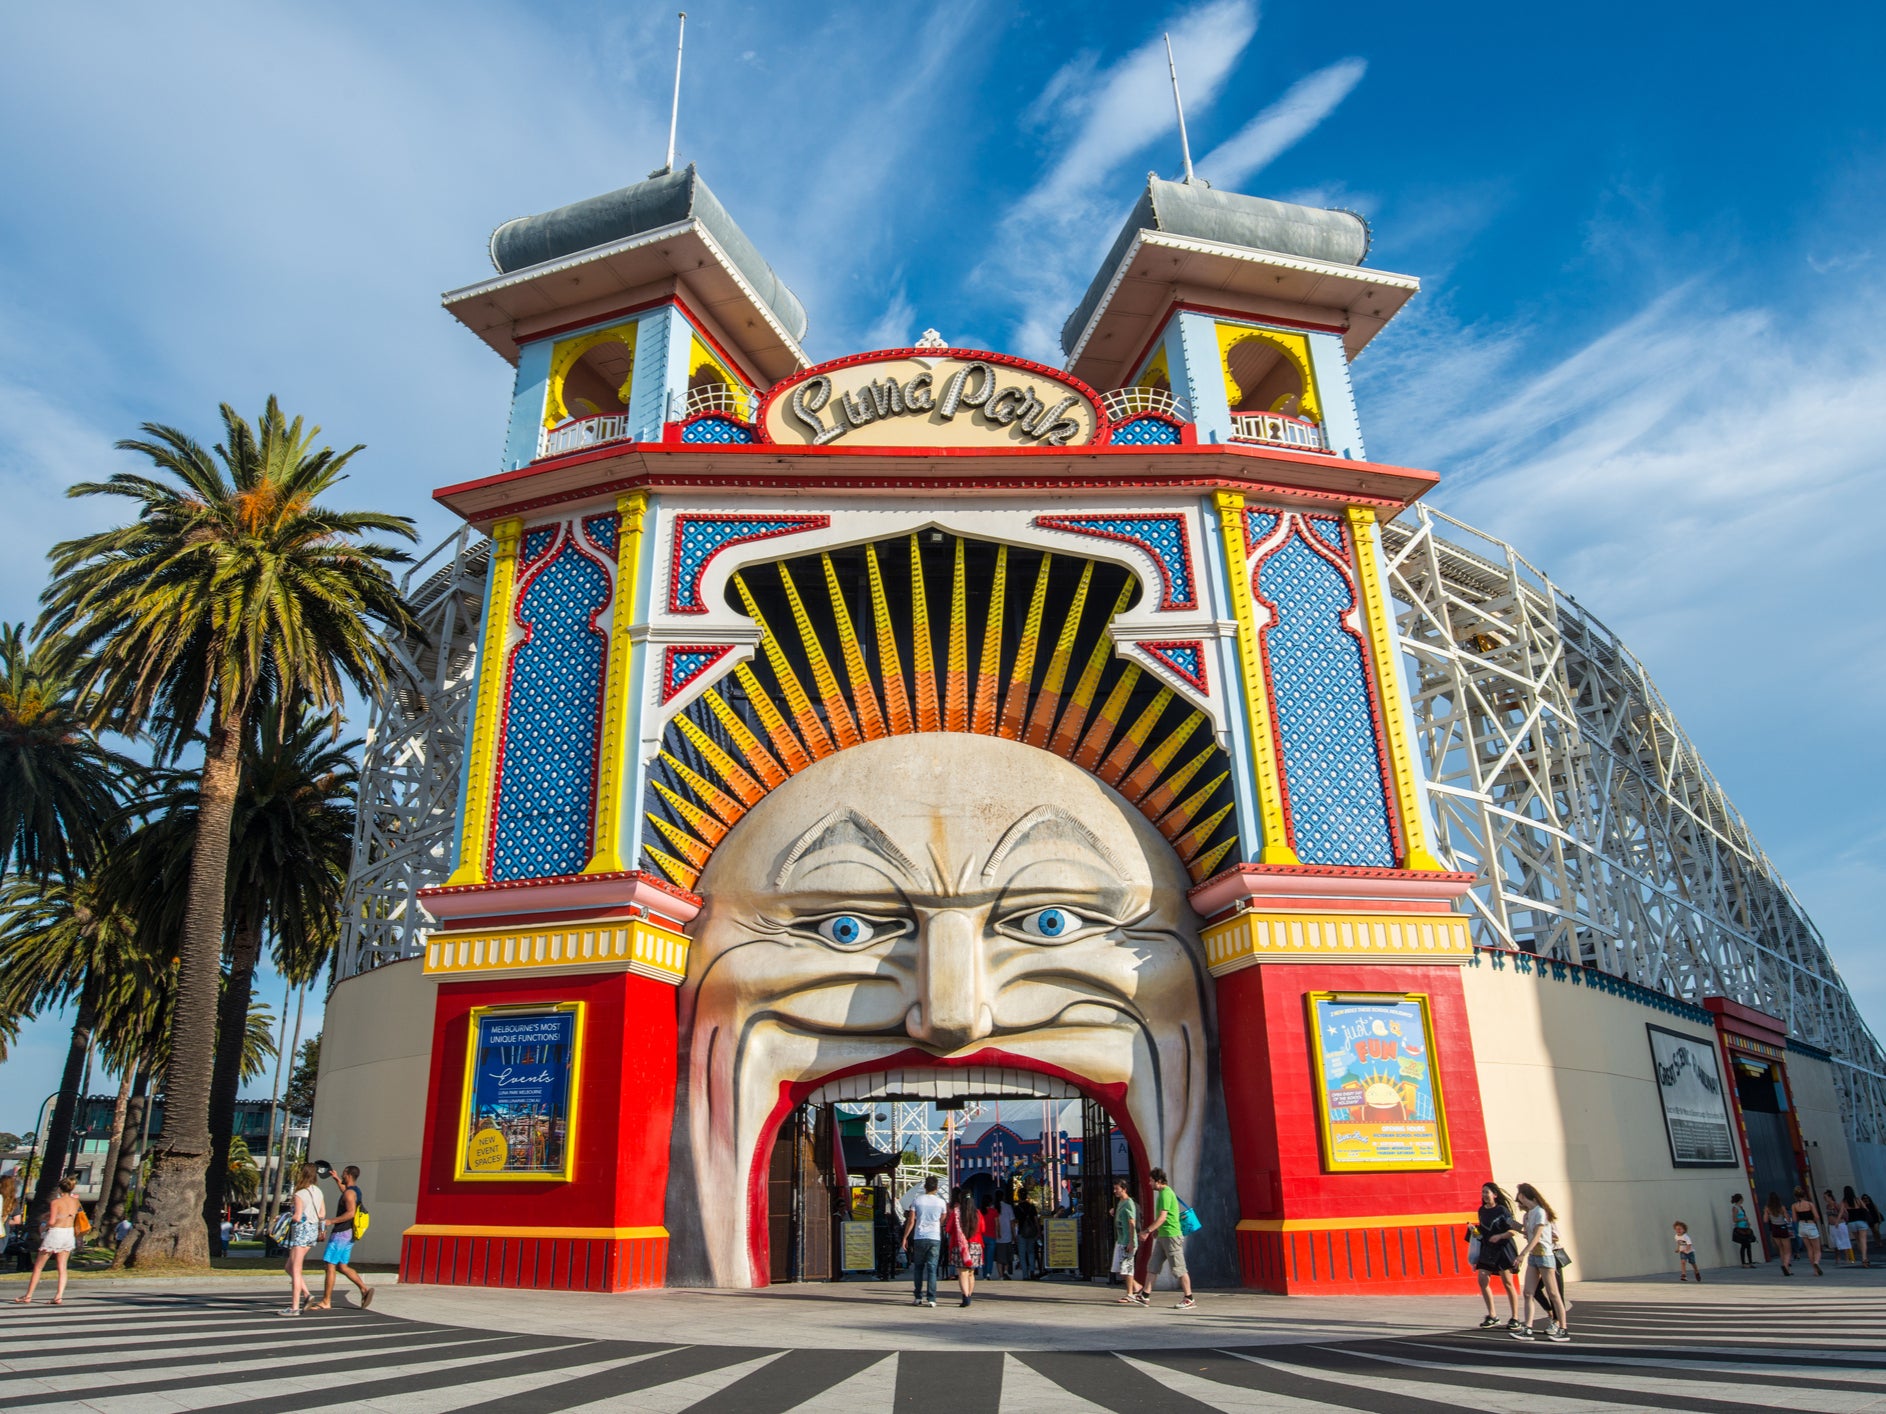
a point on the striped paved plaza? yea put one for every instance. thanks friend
(116, 1347)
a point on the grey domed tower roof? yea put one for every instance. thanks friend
(1229, 218)
(646, 206)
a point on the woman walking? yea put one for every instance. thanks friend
(1807, 1226)
(965, 1238)
(1496, 1231)
(1536, 1256)
(59, 1243)
(1781, 1230)
(307, 1222)
(1741, 1230)
(1861, 1215)
(1839, 1231)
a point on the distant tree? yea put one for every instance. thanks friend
(243, 1179)
(300, 1097)
(9, 1141)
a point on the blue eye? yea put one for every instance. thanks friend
(1051, 922)
(847, 930)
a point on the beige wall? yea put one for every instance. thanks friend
(1571, 1108)
(370, 1100)
(1817, 1109)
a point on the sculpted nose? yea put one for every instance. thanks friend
(951, 1010)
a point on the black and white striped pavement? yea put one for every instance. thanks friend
(125, 1351)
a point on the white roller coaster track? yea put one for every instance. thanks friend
(1556, 774)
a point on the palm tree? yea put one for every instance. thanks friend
(240, 1175)
(60, 790)
(230, 587)
(59, 944)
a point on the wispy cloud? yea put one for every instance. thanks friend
(1691, 473)
(1282, 125)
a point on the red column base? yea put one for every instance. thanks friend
(552, 1263)
(1306, 1260)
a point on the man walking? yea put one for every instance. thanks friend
(923, 1239)
(1168, 1240)
(340, 1246)
(1126, 1242)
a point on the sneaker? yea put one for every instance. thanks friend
(1142, 1298)
(1184, 1304)
(931, 1303)
(1521, 1333)
(1513, 1324)
(1126, 1301)
(916, 1301)
(1489, 1323)
(1558, 1333)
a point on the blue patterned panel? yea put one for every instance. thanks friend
(1162, 537)
(1329, 530)
(1331, 768)
(1257, 528)
(1145, 432)
(698, 538)
(602, 530)
(716, 429)
(546, 779)
(536, 540)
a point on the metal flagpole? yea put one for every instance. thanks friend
(674, 112)
(1185, 145)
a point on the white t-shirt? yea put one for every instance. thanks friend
(1535, 1221)
(929, 1210)
(1005, 1224)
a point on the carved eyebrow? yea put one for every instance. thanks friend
(843, 826)
(1034, 819)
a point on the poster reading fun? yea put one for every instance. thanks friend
(518, 1094)
(1379, 1099)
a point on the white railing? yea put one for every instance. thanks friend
(719, 397)
(581, 432)
(1277, 429)
(1125, 403)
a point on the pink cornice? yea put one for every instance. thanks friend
(1328, 885)
(566, 894)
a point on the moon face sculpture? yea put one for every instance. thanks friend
(928, 899)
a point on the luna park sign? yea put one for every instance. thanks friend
(912, 398)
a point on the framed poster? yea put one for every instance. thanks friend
(1695, 1106)
(1063, 1245)
(858, 1246)
(518, 1118)
(1378, 1092)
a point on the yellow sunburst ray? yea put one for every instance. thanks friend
(697, 853)
(1174, 822)
(1160, 798)
(1148, 771)
(758, 757)
(1048, 700)
(956, 658)
(1133, 739)
(676, 871)
(724, 806)
(1082, 702)
(863, 695)
(837, 710)
(1021, 678)
(699, 821)
(922, 657)
(890, 668)
(1200, 868)
(1193, 840)
(1107, 720)
(982, 720)
(792, 755)
(800, 705)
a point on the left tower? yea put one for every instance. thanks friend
(641, 317)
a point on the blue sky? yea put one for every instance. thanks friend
(1647, 350)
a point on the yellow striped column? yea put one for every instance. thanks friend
(1264, 765)
(475, 828)
(606, 857)
(1384, 652)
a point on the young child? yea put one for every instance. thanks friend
(1686, 1254)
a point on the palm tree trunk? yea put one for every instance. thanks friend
(131, 1152)
(169, 1230)
(274, 1099)
(109, 1173)
(59, 1129)
(232, 1025)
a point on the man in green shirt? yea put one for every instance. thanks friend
(1126, 1241)
(1168, 1239)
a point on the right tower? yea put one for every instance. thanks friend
(1336, 940)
